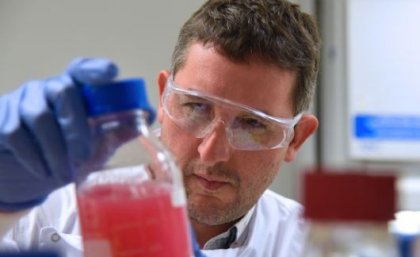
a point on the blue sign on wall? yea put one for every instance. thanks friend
(387, 127)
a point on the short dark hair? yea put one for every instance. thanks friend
(275, 31)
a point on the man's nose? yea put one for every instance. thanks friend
(215, 146)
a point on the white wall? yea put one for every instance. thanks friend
(334, 102)
(39, 38)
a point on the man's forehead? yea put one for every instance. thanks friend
(255, 83)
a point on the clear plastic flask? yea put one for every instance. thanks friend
(130, 193)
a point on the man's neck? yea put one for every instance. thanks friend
(205, 232)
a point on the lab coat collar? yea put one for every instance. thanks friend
(235, 236)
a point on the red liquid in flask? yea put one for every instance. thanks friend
(136, 220)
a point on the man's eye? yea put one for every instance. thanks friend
(252, 123)
(196, 108)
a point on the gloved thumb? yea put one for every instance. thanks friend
(93, 71)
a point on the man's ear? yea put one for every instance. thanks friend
(305, 128)
(161, 80)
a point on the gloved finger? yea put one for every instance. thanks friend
(16, 138)
(40, 121)
(93, 71)
(67, 104)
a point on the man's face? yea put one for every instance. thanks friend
(223, 183)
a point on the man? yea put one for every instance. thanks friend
(231, 112)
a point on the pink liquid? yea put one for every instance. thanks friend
(132, 221)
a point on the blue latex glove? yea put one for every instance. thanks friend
(44, 132)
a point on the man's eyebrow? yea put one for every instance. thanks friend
(193, 90)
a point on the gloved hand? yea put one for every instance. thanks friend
(44, 132)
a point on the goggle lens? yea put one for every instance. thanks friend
(246, 128)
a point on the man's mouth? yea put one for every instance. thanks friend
(210, 183)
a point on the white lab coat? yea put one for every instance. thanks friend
(274, 230)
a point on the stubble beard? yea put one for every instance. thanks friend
(212, 213)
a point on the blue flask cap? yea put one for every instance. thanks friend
(118, 96)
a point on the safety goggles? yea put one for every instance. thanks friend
(246, 128)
